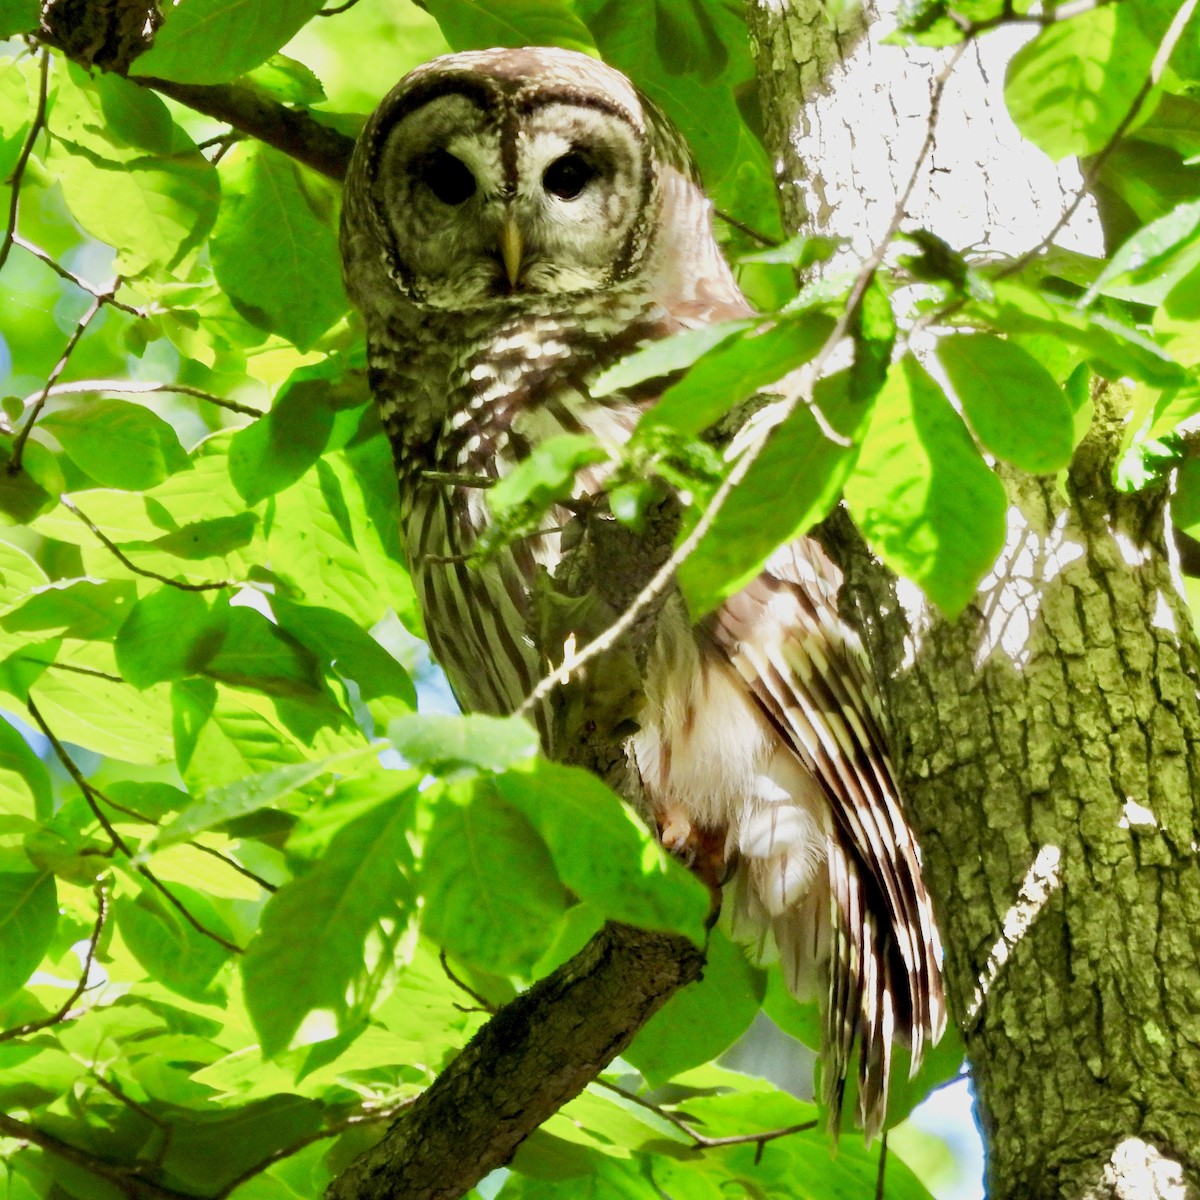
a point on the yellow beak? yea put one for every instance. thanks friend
(512, 245)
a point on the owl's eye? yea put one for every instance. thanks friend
(447, 177)
(566, 177)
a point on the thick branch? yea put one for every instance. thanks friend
(294, 131)
(529, 1060)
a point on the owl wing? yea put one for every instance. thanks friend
(807, 673)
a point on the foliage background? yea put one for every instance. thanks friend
(250, 900)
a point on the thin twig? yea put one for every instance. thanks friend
(365, 1118)
(234, 865)
(341, 8)
(484, 1003)
(128, 1180)
(125, 561)
(119, 844)
(701, 1141)
(81, 987)
(35, 128)
(39, 399)
(664, 577)
(81, 283)
(761, 238)
(881, 1173)
(130, 387)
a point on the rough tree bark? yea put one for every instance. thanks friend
(1048, 740)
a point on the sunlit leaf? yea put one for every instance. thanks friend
(922, 494)
(363, 877)
(28, 914)
(491, 891)
(603, 853)
(214, 41)
(479, 24)
(274, 242)
(1012, 402)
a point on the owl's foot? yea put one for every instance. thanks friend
(702, 851)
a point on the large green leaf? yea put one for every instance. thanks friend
(1071, 87)
(28, 914)
(603, 853)
(119, 444)
(166, 636)
(18, 16)
(169, 946)
(309, 949)
(442, 743)
(703, 1020)
(921, 493)
(24, 781)
(1012, 402)
(491, 892)
(154, 206)
(274, 249)
(76, 608)
(480, 24)
(795, 481)
(214, 41)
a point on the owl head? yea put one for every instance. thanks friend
(494, 177)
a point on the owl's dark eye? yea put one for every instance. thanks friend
(566, 177)
(447, 177)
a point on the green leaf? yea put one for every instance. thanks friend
(274, 452)
(443, 743)
(76, 608)
(480, 24)
(119, 444)
(248, 794)
(156, 207)
(274, 249)
(22, 495)
(166, 636)
(546, 476)
(254, 653)
(1071, 87)
(736, 369)
(491, 893)
(288, 80)
(661, 358)
(1012, 402)
(169, 946)
(350, 651)
(215, 41)
(603, 853)
(209, 1150)
(18, 16)
(793, 484)
(1112, 348)
(1147, 265)
(309, 949)
(703, 1019)
(24, 781)
(922, 495)
(28, 915)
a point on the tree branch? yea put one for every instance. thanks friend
(294, 131)
(537, 1053)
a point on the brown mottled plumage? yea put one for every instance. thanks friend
(516, 221)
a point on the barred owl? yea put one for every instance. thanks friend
(514, 222)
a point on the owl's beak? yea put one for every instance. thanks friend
(512, 245)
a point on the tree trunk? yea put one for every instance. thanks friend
(1048, 740)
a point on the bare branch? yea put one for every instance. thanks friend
(294, 131)
(35, 128)
(125, 561)
(62, 272)
(39, 400)
(537, 1053)
(133, 387)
